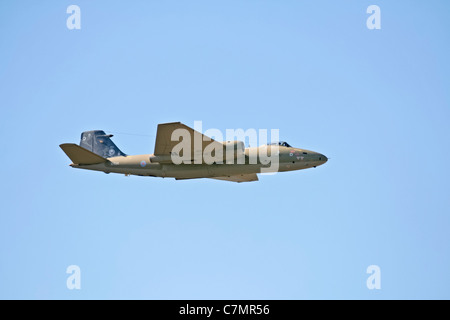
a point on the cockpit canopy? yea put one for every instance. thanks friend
(281, 144)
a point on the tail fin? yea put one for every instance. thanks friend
(98, 142)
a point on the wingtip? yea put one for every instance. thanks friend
(167, 123)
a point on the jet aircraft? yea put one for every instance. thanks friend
(199, 156)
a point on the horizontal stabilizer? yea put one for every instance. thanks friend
(80, 155)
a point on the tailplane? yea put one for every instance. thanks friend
(98, 142)
(81, 156)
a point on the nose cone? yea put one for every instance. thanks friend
(323, 158)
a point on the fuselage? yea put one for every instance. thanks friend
(286, 158)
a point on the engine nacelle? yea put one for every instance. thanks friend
(161, 159)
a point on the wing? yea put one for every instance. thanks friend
(239, 178)
(164, 144)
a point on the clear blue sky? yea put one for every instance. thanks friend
(377, 102)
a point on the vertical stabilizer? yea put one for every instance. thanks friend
(98, 142)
